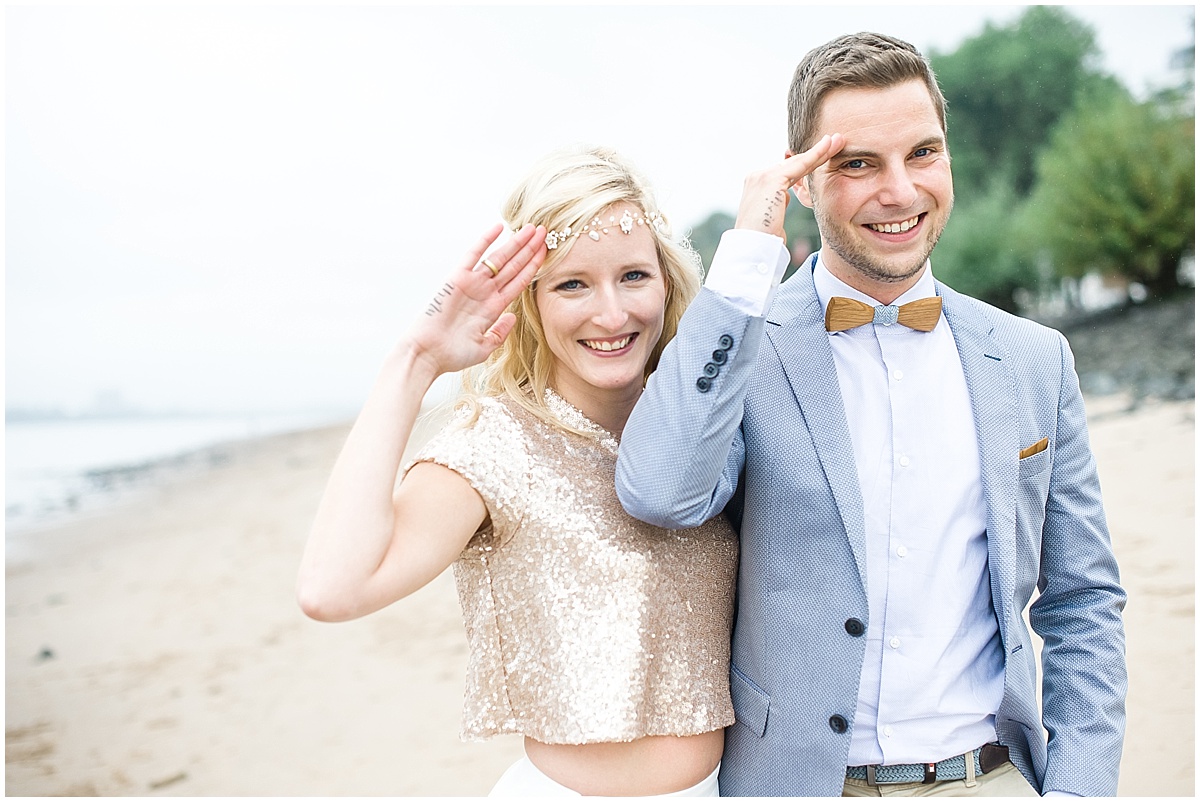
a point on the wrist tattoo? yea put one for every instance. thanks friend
(769, 214)
(435, 305)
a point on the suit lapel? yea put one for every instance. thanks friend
(796, 330)
(992, 389)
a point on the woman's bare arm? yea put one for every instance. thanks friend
(370, 546)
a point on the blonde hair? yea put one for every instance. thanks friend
(567, 189)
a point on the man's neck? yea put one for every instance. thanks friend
(883, 292)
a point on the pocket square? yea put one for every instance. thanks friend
(1036, 448)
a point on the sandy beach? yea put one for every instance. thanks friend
(156, 649)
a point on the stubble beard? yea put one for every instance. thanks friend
(861, 261)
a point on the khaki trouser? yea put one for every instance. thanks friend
(1002, 781)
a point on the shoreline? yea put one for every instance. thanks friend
(156, 649)
(99, 462)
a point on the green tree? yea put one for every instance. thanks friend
(1005, 90)
(1117, 192)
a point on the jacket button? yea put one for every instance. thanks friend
(711, 370)
(720, 356)
(725, 341)
(838, 724)
(703, 384)
(855, 627)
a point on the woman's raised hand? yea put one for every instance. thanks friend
(371, 544)
(465, 322)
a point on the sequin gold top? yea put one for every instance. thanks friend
(584, 624)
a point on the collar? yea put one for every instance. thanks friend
(828, 285)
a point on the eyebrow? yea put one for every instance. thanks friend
(847, 153)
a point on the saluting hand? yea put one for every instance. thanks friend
(465, 322)
(765, 193)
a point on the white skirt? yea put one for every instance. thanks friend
(525, 779)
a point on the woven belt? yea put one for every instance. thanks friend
(986, 758)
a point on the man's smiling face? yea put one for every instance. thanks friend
(883, 201)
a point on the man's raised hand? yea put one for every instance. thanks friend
(765, 193)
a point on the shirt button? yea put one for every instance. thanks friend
(887, 731)
(904, 462)
(897, 374)
(894, 643)
(902, 551)
(761, 268)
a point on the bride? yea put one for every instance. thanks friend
(601, 639)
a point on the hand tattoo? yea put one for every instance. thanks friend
(769, 214)
(435, 305)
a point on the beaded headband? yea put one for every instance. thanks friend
(596, 227)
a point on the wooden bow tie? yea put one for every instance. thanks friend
(847, 313)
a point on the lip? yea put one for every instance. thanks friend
(632, 337)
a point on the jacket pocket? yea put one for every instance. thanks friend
(1034, 464)
(751, 704)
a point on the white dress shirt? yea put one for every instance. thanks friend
(933, 676)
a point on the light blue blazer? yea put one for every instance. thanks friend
(753, 425)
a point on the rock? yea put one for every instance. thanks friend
(1147, 349)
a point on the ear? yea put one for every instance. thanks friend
(803, 191)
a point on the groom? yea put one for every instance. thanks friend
(908, 467)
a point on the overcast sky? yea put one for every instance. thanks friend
(228, 209)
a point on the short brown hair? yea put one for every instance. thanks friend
(858, 60)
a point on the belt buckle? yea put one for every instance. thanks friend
(929, 778)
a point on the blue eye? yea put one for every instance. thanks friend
(635, 275)
(855, 164)
(923, 152)
(570, 284)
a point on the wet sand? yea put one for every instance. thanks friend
(156, 649)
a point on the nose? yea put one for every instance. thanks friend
(609, 312)
(897, 187)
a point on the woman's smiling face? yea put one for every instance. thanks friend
(602, 313)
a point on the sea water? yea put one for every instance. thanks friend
(60, 468)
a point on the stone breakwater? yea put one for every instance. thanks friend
(1147, 350)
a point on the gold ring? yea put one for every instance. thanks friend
(486, 263)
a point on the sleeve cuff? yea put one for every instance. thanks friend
(747, 268)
